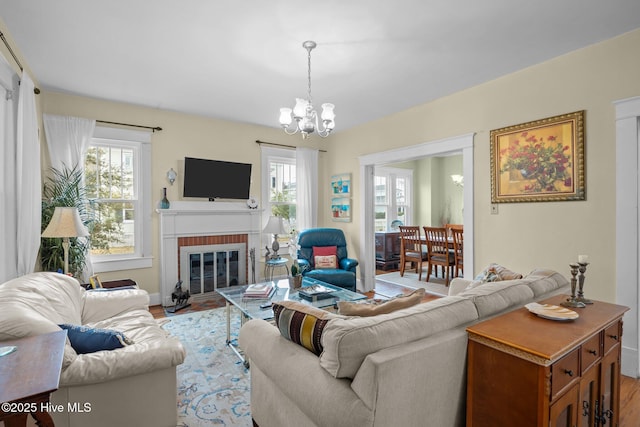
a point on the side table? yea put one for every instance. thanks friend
(28, 376)
(272, 264)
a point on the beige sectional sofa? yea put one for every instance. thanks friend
(130, 386)
(406, 368)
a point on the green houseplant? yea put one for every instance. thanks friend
(64, 188)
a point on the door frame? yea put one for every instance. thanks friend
(628, 228)
(458, 144)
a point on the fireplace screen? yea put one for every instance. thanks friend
(212, 267)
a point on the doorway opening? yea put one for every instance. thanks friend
(462, 145)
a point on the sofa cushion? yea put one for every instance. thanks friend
(495, 297)
(325, 261)
(373, 307)
(55, 296)
(348, 340)
(543, 281)
(301, 323)
(89, 340)
(325, 250)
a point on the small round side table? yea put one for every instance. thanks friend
(272, 264)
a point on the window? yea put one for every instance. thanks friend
(117, 179)
(279, 186)
(392, 197)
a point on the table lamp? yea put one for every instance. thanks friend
(65, 223)
(274, 226)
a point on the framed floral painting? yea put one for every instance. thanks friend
(539, 161)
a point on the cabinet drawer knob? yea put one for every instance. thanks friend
(568, 372)
(592, 352)
(613, 337)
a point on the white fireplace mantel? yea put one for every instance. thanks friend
(189, 219)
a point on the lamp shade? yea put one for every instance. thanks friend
(65, 222)
(274, 226)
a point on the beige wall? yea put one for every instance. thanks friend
(182, 135)
(523, 235)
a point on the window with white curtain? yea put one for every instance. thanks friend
(117, 178)
(393, 190)
(279, 186)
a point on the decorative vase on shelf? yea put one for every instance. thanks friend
(164, 203)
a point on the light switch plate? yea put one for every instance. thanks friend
(494, 209)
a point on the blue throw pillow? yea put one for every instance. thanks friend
(89, 340)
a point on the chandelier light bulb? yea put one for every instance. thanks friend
(285, 117)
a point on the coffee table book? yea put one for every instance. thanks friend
(260, 290)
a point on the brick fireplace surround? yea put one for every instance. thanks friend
(202, 223)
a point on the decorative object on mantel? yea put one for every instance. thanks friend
(164, 203)
(171, 176)
(274, 226)
(252, 203)
(305, 116)
(539, 161)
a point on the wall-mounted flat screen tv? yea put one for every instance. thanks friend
(215, 179)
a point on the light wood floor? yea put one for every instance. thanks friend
(629, 387)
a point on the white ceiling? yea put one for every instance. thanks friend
(243, 60)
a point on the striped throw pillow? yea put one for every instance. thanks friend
(301, 324)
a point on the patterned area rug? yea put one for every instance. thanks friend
(213, 385)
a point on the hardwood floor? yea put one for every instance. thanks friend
(629, 387)
(629, 402)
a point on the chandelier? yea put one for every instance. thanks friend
(306, 118)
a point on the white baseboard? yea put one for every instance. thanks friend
(154, 299)
(630, 363)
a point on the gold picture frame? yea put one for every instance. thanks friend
(539, 161)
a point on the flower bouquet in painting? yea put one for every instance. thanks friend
(539, 161)
(543, 162)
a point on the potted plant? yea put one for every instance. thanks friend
(64, 188)
(295, 281)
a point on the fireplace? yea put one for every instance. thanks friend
(206, 245)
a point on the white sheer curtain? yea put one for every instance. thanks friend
(8, 202)
(28, 178)
(306, 188)
(67, 140)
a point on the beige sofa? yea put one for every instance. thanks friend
(130, 386)
(406, 368)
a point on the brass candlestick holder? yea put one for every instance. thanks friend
(573, 301)
(582, 269)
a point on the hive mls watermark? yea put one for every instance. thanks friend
(30, 407)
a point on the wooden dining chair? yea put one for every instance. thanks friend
(457, 233)
(438, 253)
(411, 248)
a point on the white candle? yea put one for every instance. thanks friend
(583, 259)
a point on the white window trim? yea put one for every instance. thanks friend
(143, 231)
(269, 154)
(391, 174)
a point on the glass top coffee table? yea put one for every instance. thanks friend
(254, 308)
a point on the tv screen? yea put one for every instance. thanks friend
(216, 179)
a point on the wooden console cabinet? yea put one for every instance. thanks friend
(527, 371)
(387, 250)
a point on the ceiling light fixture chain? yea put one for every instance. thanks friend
(306, 118)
